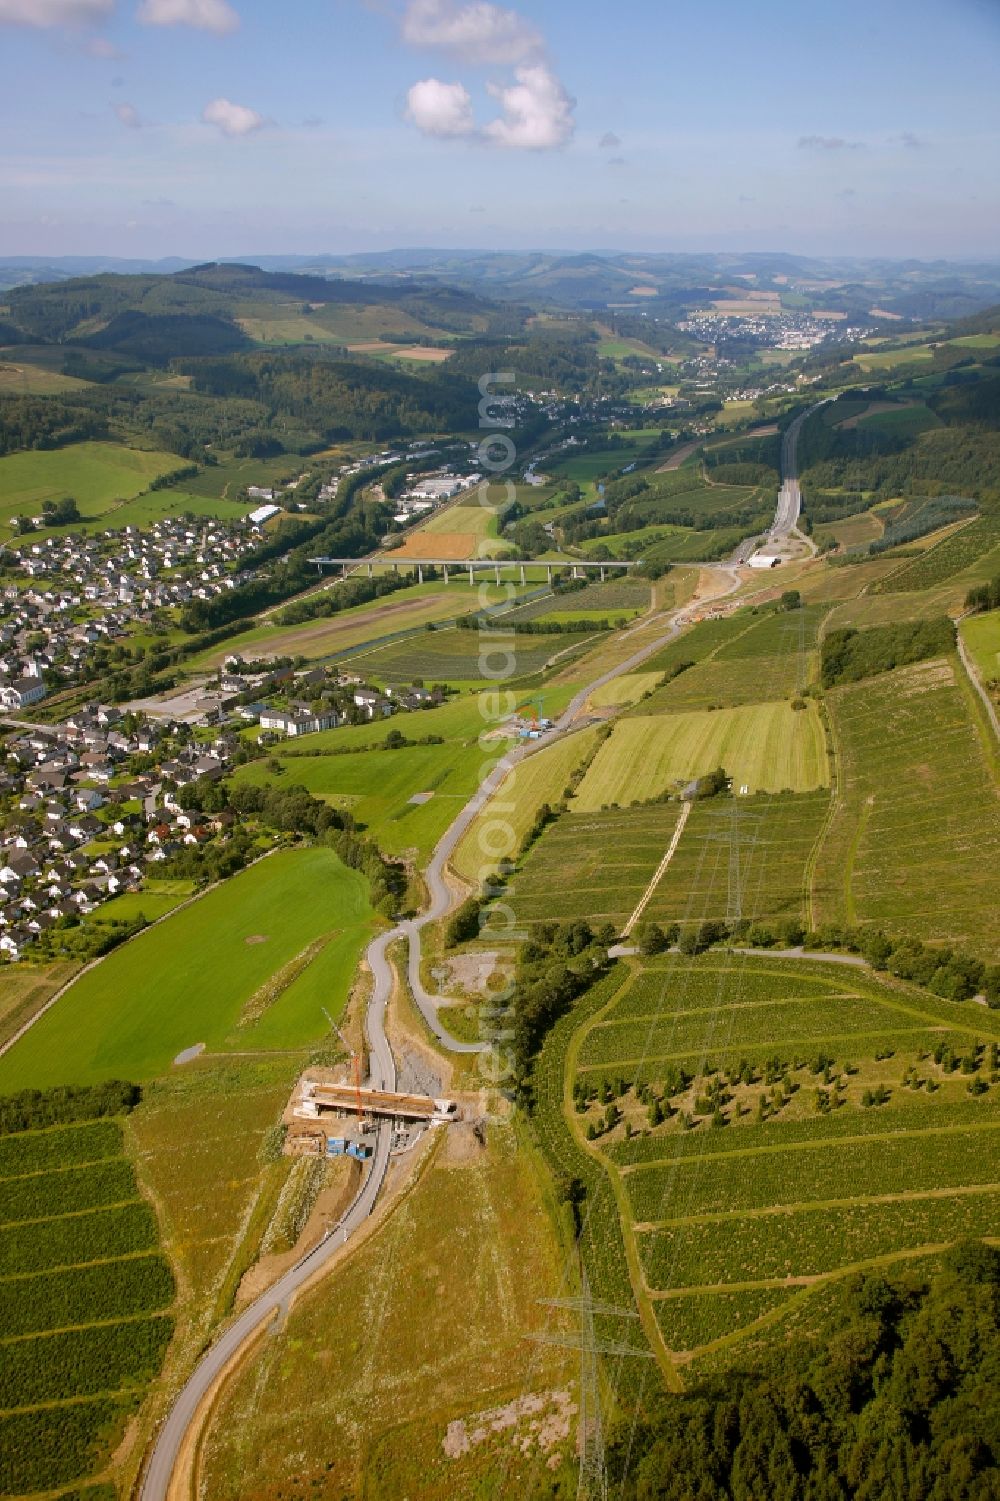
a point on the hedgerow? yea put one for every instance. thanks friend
(32, 1109)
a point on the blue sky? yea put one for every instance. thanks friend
(226, 127)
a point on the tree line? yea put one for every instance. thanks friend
(892, 1394)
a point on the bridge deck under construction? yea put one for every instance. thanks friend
(377, 1102)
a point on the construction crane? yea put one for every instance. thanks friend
(355, 1064)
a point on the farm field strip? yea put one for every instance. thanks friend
(768, 747)
(452, 655)
(919, 819)
(607, 856)
(647, 1068)
(775, 1136)
(810, 1241)
(540, 779)
(921, 1160)
(84, 1303)
(775, 838)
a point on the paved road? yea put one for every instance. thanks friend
(973, 675)
(156, 1482)
(789, 508)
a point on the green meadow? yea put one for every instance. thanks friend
(187, 980)
(97, 475)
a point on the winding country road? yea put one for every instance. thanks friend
(156, 1484)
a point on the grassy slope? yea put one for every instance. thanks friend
(767, 747)
(95, 474)
(917, 826)
(187, 980)
(427, 1344)
(981, 634)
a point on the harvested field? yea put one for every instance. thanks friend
(764, 747)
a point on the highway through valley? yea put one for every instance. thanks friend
(157, 1481)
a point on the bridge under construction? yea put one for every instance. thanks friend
(317, 1100)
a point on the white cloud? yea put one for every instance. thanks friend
(440, 109)
(46, 13)
(205, 15)
(477, 33)
(232, 119)
(537, 111)
(128, 115)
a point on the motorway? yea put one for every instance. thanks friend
(156, 1484)
(789, 508)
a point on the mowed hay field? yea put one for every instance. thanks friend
(187, 980)
(441, 1303)
(766, 1172)
(459, 531)
(96, 475)
(496, 833)
(765, 747)
(915, 838)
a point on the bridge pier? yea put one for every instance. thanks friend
(548, 571)
(602, 574)
(420, 573)
(371, 569)
(470, 576)
(523, 579)
(497, 575)
(446, 574)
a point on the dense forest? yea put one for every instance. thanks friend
(960, 458)
(893, 1398)
(341, 398)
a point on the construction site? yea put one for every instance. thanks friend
(331, 1116)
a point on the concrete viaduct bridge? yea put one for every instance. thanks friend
(472, 566)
